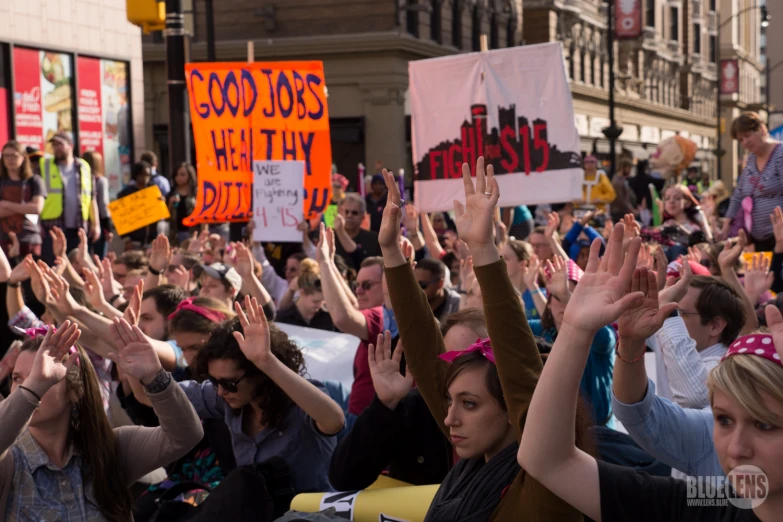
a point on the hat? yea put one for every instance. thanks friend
(761, 345)
(378, 177)
(32, 152)
(219, 271)
(62, 137)
(573, 272)
(339, 179)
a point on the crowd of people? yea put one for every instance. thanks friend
(564, 362)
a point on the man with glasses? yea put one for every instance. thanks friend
(353, 209)
(431, 275)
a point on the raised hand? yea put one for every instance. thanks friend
(411, 218)
(84, 251)
(324, 250)
(179, 276)
(694, 256)
(50, 365)
(645, 258)
(474, 218)
(729, 257)
(588, 217)
(775, 325)
(14, 248)
(646, 317)
(135, 356)
(40, 285)
(777, 228)
(465, 273)
(407, 250)
(245, 263)
(758, 279)
(675, 292)
(339, 224)
(390, 385)
(160, 256)
(392, 213)
(110, 285)
(557, 279)
(59, 243)
(93, 289)
(21, 272)
(602, 293)
(60, 290)
(661, 265)
(131, 313)
(632, 230)
(198, 243)
(530, 272)
(255, 343)
(552, 225)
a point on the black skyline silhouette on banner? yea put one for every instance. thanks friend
(509, 151)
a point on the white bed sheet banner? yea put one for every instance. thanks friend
(513, 106)
(328, 356)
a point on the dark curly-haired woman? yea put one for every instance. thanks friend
(253, 381)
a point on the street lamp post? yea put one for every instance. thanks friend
(612, 132)
(765, 17)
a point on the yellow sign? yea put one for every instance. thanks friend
(138, 210)
(748, 257)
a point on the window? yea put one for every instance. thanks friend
(649, 14)
(674, 24)
(713, 5)
(412, 18)
(713, 48)
(697, 38)
(456, 24)
(476, 29)
(435, 25)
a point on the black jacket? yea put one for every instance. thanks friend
(406, 441)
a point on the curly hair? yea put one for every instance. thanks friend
(273, 401)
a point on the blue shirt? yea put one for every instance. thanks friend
(596, 384)
(531, 312)
(521, 214)
(180, 372)
(679, 437)
(296, 440)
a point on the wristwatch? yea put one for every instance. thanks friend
(159, 383)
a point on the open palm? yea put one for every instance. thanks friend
(645, 318)
(775, 325)
(475, 218)
(135, 356)
(390, 385)
(254, 340)
(392, 213)
(602, 293)
(50, 365)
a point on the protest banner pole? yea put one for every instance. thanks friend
(176, 86)
(251, 51)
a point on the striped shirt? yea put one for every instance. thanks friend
(766, 189)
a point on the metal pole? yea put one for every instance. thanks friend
(612, 132)
(177, 89)
(210, 31)
(718, 148)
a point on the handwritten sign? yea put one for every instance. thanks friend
(138, 210)
(278, 200)
(262, 111)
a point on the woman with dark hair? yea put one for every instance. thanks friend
(22, 195)
(141, 174)
(759, 188)
(59, 457)
(308, 308)
(182, 200)
(253, 382)
(478, 397)
(95, 161)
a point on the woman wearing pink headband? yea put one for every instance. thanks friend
(746, 395)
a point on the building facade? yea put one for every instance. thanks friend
(666, 80)
(773, 54)
(73, 66)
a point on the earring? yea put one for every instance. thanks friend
(75, 423)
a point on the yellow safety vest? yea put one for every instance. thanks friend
(53, 204)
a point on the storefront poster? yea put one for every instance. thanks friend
(116, 124)
(3, 115)
(27, 98)
(512, 106)
(89, 105)
(56, 81)
(246, 112)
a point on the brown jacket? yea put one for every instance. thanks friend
(141, 449)
(519, 366)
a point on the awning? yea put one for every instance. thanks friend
(637, 150)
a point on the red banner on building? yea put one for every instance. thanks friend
(27, 98)
(729, 76)
(3, 115)
(628, 18)
(89, 104)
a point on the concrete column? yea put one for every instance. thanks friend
(732, 157)
(384, 117)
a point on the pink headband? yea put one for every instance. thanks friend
(40, 330)
(760, 345)
(187, 304)
(479, 346)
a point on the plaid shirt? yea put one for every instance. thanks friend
(48, 224)
(43, 492)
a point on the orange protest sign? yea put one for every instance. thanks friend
(138, 210)
(262, 111)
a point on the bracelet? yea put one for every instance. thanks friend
(159, 383)
(617, 353)
(13, 285)
(31, 391)
(155, 272)
(536, 291)
(113, 298)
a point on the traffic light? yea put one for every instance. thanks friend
(150, 15)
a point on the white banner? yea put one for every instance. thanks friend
(278, 195)
(513, 106)
(328, 356)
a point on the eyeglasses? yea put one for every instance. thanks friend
(229, 386)
(366, 285)
(425, 284)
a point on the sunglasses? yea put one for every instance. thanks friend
(424, 284)
(352, 212)
(366, 285)
(229, 386)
